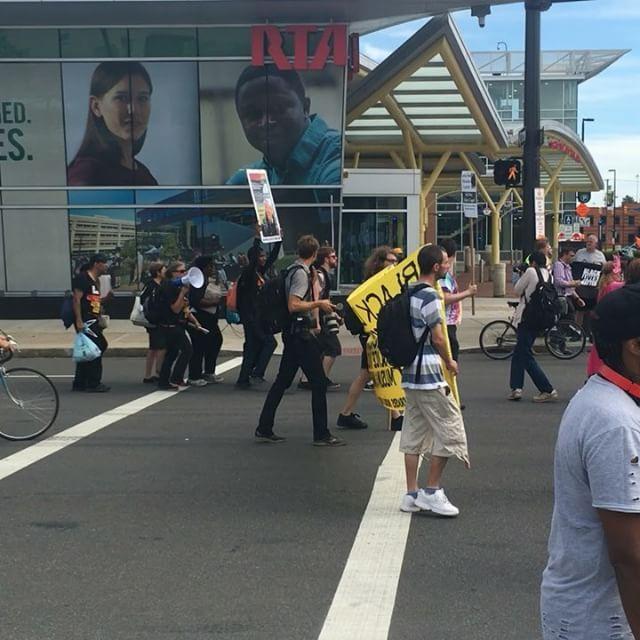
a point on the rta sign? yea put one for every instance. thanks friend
(267, 41)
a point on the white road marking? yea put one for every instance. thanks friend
(363, 603)
(45, 448)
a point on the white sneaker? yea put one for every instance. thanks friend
(213, 378)
(436, 502)
(198, 383)
(408, 504)
(552, 396)
(516, 394)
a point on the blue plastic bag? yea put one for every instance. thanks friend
(85, 349)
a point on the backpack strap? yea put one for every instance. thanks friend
(425, 333)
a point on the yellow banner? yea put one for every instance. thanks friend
(366, 302)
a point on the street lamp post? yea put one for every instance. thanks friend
(583, 121)
(615, 193)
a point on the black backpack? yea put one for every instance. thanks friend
(396, 341)
(543, 307)
(151, 304)
(273, 305)
(66, 312)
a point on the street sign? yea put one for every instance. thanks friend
(585, 222)
(469, 195)
(567, 218)
(566, 229)
(582, 210)
(583, 196)
(539, 211)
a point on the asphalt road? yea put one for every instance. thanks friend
(173, 524)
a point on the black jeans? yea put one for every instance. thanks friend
(89, 374)
(300, 351)
(179, 350)
(256, 352)
(206, 347)
(452, 330)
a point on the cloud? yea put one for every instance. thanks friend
(375, 52)
(600, 10)
(618, 152)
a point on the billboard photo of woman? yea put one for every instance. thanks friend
(116, 127)
(131, 124)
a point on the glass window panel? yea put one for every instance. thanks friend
(358, 240)
(94, 43)
(551, 95)
(225, 42)
(113, 233)
(570, 94)
(29, 43)
(162, 43)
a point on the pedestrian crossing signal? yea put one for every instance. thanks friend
(507, 172)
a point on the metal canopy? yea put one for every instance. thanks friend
(428, 99)
(554, 65)
(429, 90)
(364, 15)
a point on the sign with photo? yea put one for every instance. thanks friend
(264, 206)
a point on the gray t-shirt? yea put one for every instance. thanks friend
(590, 257)
(297, 284)
(596, 467)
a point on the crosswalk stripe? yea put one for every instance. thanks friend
(45, 448)
(363, 603)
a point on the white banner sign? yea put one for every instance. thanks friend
(469, 194)
(539, 209)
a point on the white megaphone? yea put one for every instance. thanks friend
(193, 277)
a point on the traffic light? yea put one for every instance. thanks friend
(507, 173)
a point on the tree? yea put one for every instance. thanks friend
(628, 200)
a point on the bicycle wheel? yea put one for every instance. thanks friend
(29, 404)
(566, 340)
(498, 340)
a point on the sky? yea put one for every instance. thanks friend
(612, 98)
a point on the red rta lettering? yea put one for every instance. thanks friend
(267, 41)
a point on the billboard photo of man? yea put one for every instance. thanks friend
(298, 147)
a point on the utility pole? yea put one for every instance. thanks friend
(533, 133)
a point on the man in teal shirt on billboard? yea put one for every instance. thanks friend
(298, 147)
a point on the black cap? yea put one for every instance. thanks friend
(617, 316)
(97, 257)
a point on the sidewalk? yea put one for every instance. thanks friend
(48, 338)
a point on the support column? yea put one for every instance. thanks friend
(557, 193)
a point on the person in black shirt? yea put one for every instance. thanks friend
(206, 346)
(157, 344)
(87, 307)
(173, 308)
(259, 343)
(301, 351)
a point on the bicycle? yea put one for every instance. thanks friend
(30, 402)
(565, 340)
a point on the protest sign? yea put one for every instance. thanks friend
(264, 206)
(366, 302)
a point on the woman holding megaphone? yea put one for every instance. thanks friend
(174, 314)
(204, 298)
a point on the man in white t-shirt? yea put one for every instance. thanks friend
(591, 586)
(590, 254)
